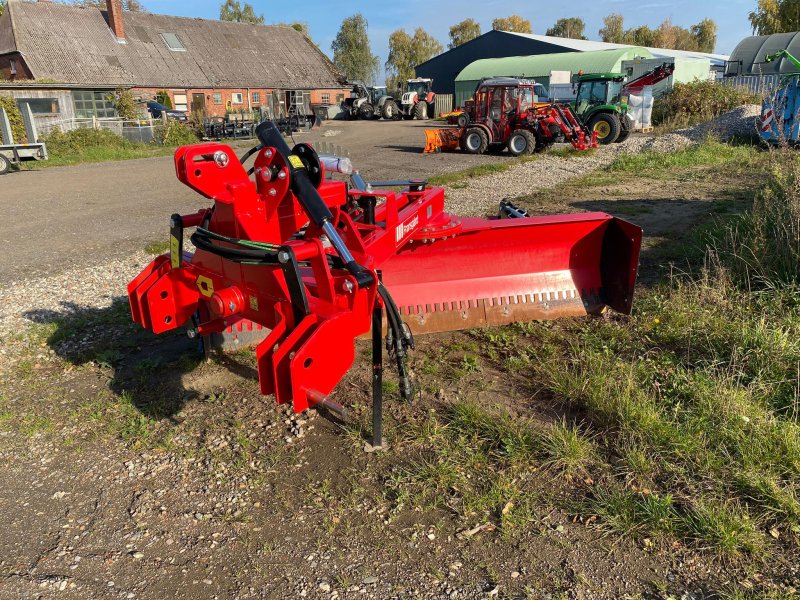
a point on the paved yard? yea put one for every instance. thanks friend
(65, 217)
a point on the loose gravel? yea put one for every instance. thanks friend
(36, 300)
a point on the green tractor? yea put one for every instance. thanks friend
(601, 102)
(600, 105)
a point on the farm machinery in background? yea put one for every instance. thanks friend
(505, 113)
(14, 152)
(315, 263)
(780, 112)
(417, 101)
(601, 101)
(370, 103)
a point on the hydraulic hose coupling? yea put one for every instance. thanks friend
(226, 302)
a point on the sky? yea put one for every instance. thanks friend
(436, 16)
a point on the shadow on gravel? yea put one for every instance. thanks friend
(399, 148)
(147, 367)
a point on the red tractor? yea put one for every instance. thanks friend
(510, 113)
(506, 113)
(417, 100)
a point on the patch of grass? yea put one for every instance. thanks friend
(708, 153)
(465, 174)
(726, 527)
(568, 451)
(157, 247)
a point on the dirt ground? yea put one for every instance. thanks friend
(132, 469)
(64, 217)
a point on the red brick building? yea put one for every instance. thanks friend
(210, 66)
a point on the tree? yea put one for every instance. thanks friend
(232, 10)
(571, 27)
(513, 23)
(640, 36)
(613, 30)
(351, 51)
(406, 52)
(462, 32)
(775, 16)
(129, 5)
(705, 34)
(2, 6)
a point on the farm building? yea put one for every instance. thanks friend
(541, 67)
(446, 67)
(748, 56)
(210, 66)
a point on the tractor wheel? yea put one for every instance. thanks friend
(463, 120)
(475, 141)
(5, 165)
(625, 131)
(366, 111)
(607, 127)
(521, 141)
(421, 110)
(389, 110)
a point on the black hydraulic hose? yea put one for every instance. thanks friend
(250, 153)
(309, 197)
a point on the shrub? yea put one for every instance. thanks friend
(125, 104)
(175, 134)
(78, 140)
(163, 98)
(14, 118)
(699, 101)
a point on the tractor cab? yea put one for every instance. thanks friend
(498, 100)
(602, 106)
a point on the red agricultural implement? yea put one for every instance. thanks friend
(318, 262)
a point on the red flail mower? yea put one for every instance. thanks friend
(317, 263)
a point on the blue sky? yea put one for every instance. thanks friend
(437, 16)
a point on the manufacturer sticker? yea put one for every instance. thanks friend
(404, 229)
(205, 285)
(295, 161)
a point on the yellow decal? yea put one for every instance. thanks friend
(253, 303)
(174, 251)
(296, 162)
(206, 286)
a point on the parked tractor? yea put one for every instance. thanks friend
(601, 101)
(417, 101)
(504, 114)
(780, 113)
(370, 103)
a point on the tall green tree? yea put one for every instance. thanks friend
(232, 10)
(513, 23)
(570, 27)
(462, 32)
(352, 54)
(613, 29)
(775, 16)
(705, 35)
(406, 52)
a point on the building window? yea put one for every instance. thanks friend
(326, 98)
(217, 98)
(173, 42)
(256, 97)
(237, 98)
(90, 104)
(180, 102)
(13, 67)
(40, 106)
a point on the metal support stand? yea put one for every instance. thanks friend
(377, 379)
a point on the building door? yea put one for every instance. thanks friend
(199, 103)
